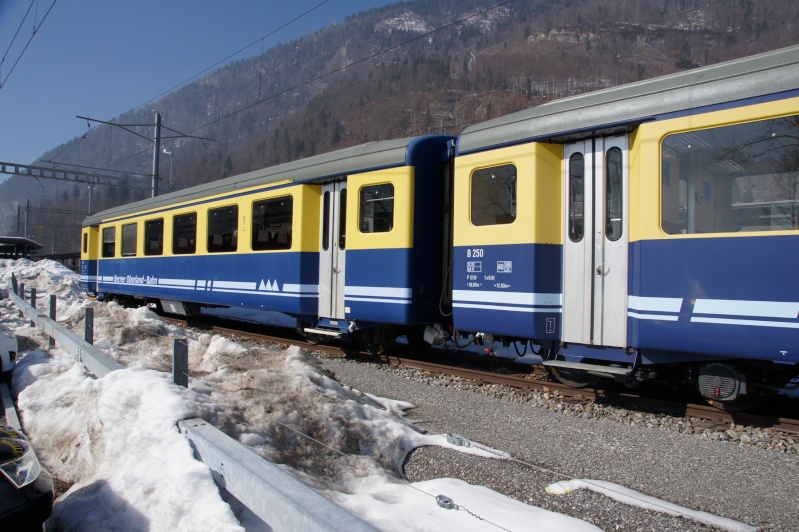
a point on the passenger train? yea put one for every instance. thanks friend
(646, 231)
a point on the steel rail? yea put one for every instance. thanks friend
(524, 382)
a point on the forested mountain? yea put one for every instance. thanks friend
(424, 66)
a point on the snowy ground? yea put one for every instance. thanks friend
(116, 440)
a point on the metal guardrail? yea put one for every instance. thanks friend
(276, 497)
(97, 362)
(8, 406)
(285, 502)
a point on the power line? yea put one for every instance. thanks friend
(359, 61)
(234, 54)
(191, 78)
(21, 22)
(35, 31)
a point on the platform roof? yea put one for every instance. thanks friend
(17, 246)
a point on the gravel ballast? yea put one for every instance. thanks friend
(749, 475)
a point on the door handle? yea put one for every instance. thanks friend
(599, 270)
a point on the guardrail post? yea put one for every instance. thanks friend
(94, 360)
(21, 295)
(180, 362)
(88, 326)
(53, 303)
(33, 303)
(14, 285)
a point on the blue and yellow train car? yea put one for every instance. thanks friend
(641, 228)
(341, 241)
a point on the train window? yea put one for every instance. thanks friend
(129, 232)
(614, 195)
(184, 234)
(223, 229)
(494, 195)
(736, 178)
(109, 241)
(85, 242)
(154, 237)
(377, 208)
(342, 217)
(272, 223)
(576, 197)
(326, 222)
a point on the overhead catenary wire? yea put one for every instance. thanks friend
(317, 78)
(13, 39)
(356, 62)
(261, 40)
(374, 55)
(422, 36)
(234, 54)
(35, 31)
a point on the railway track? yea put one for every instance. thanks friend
(508, 373)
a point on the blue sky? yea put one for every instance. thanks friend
(101, 58)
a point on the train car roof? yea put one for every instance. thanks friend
(620, 107)
(361, 158)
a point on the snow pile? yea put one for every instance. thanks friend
(396, 506)
(636, 498)
(116, 438)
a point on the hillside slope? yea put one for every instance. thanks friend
(426, 66)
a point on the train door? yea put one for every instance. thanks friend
(595, 243)
(332, 250)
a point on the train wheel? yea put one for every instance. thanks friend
(573, 378)
(415, 337)
(314, 339)
(378, 340)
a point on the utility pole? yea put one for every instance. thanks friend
(156, 152)
(156, 140)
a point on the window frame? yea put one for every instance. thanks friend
(130, 235)
(148, 251)
(719, 168)
(366, 210)
(178, 223)
(222, 234)
(479, 214)
(576, 231)
(271, 243)
(108, 248)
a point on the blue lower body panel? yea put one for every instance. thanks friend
(386, 286)
(727, 297)
(512, 290)
(88, 275)
(284, 282)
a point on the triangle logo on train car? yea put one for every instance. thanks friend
(269, 286)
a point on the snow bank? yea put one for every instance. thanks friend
(116, 439)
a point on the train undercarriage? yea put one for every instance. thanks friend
(729, 385)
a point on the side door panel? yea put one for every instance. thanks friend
(332, 250)
(595, 242)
